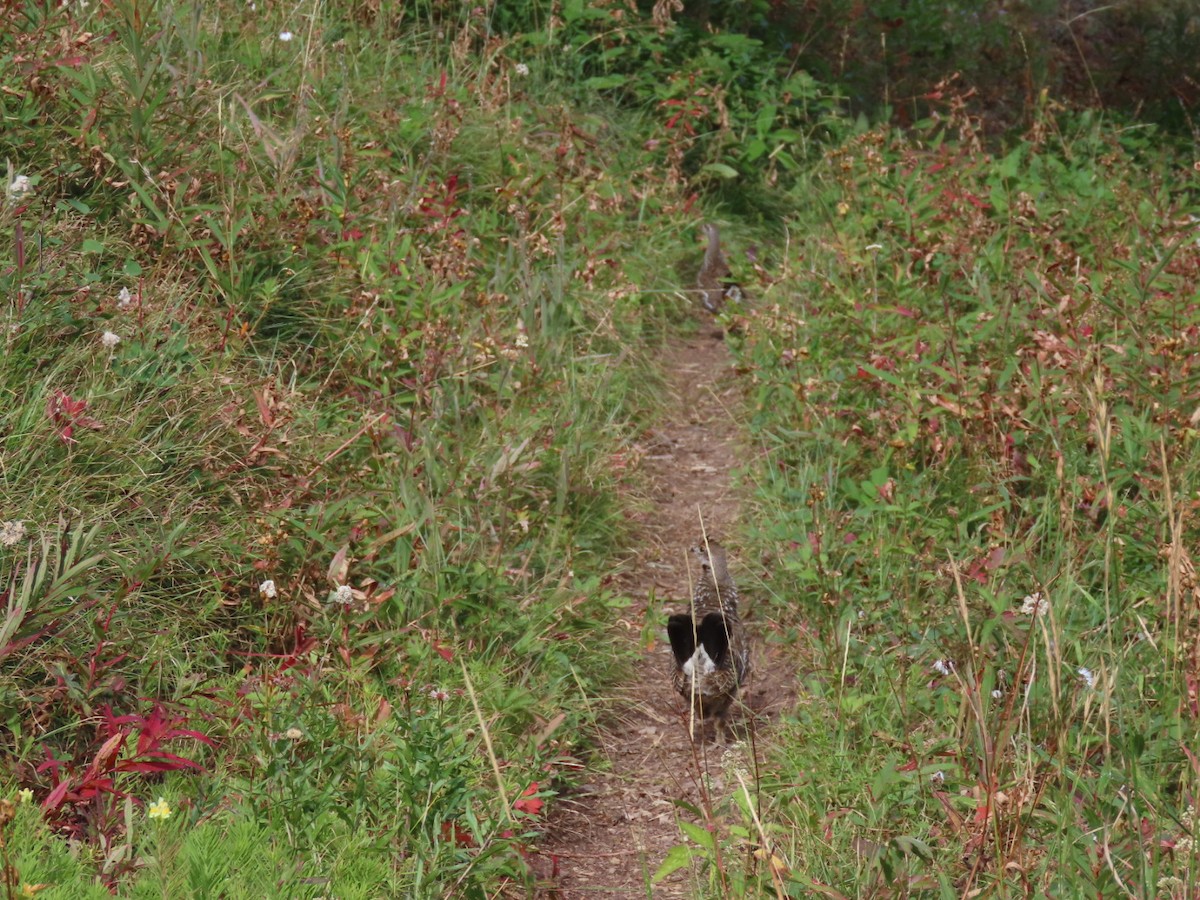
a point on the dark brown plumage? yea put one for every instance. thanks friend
(713, 280)
(712, 655)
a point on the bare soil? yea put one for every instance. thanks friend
(609, 836)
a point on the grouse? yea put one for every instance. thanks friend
(713, 280)
(712, 654)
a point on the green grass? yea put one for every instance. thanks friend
(382, 329)
(976, 385)
(384, 300)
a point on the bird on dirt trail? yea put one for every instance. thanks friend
(713, 281)
(712, 654)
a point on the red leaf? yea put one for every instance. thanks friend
(444, 652)
(975, 201)
(108, 751)
(455, 833)
(264, 408)
(55, 798)
(529, 803)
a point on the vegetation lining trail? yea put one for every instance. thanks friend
(615, 832)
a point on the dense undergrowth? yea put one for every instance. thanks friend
(325, 333)
(973, 389)
(323, 336)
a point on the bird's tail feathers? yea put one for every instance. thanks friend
(711, 633)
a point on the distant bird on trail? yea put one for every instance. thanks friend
(714, 281)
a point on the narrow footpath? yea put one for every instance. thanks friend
(609, 837)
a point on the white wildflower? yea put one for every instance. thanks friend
(267, 589)
(343, 595)
(439, 694)
(11, 533)
(522, 338)
(294, 734)
(1087, 677)
(286, 36)
(997, 694)
(938, 777)
(943, 666)
(110, 340)
(124, 299)
(521, 69)
(20, 186)
(1034, 604)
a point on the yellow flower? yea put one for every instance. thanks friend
(160, 810)
(25, 795)
(843, 208)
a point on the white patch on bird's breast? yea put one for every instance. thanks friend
(699, 665)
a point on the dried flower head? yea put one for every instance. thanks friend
(1186, 842)
(343, 595)
(110, 340)
(11, 533)
(521, 69)
(294, 734)
(1087, 677)
(735, 762)
(124, 299)
(267, 589)
(1035, 604)
(20, 186)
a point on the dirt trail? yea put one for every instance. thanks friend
(610, 836)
